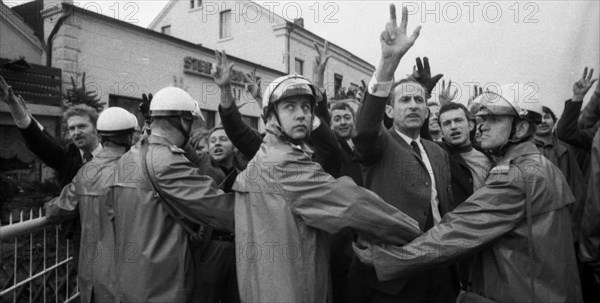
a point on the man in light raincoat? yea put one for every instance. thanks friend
(286, 204)
(518, 223)
(158, 190)
(89, 196)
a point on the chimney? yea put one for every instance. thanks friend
(299, 22)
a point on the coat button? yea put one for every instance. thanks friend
(426, 183)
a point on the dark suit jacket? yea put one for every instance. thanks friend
(350, 165)
(461, 177)
(396, 173)
(66, 161)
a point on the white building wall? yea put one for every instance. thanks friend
(252, 35)
(122, 60)
(260, 38)
(340, 63)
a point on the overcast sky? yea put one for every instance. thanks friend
(545, 43)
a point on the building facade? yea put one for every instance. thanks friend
(245, 29)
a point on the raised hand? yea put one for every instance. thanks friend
(583, 85)
(322, 57)
(253, 86)
(394, 44)
(422, 74)
(446, 96)
(477, 91)
(6, 93)
(16, 105)
(145, 106)
(222, 70)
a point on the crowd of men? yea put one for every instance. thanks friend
(405, 200)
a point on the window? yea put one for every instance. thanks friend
(166, 30)
(299, 66)
(337, 83)
(225, 24)
(192, 3)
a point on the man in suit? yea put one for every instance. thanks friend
(65, 160)
(342, 125)
(81, 124)
(409, 173)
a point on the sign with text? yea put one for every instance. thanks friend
(203, 68)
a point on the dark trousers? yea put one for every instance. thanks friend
(215, 274)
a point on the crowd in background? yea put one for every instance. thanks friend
(408, 198)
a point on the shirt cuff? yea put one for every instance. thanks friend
(380, 89)
(25, 122)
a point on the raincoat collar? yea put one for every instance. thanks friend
(154, 139)
(516, 151)
(273, 140)
(110, 153)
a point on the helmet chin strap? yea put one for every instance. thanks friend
(282, 134)
(179, 127)
(501, 151)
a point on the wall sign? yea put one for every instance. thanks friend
(203, 68)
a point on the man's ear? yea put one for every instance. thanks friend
(522, 129)
(471, 125)
(389, 111)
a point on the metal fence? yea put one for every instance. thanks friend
(36, 261)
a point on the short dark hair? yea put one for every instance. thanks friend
(452, 106)
(393, 94)
(547, 110)
(343, 106)
(81, 110)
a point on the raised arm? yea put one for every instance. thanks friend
(322, 111)
(370, 138)
(38, 141)
(243, 137)
(567, 128)
(590, 115)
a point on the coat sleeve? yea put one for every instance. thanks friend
(590, 114)
(322, 110)
(243, 137)
(567, 129)
(589, 242)
(65, 206)
(43, 145)
(333, 204)
(489, 213)
(370, 138)
(327, 150)
(193, 195)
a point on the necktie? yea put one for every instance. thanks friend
(416, 148)
(87, 157)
